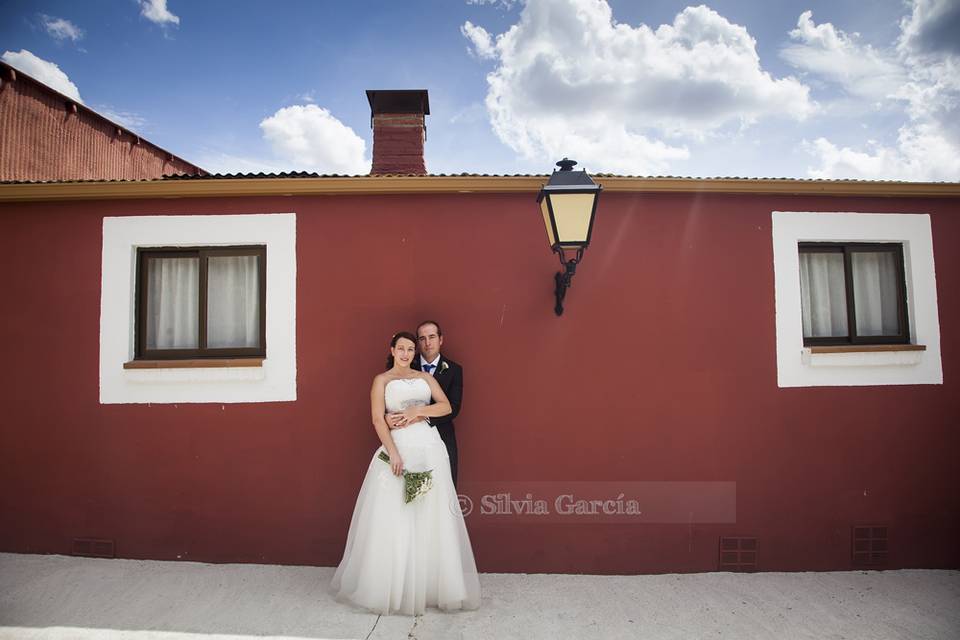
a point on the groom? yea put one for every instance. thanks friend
(449, 376)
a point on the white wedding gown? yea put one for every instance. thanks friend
(403, 557)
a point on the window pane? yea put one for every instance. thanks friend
(172, 303)
(233, 302)
(875, 293)
(823, 295)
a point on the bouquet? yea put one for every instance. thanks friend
(415, 483)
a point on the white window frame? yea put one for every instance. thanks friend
(799, 366)
(274, 381)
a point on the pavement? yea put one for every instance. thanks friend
(64, 597)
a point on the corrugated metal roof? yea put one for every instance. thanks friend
(77, 181)
(308, 174)
(6, 70)
(248, 176)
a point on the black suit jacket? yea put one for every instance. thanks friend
(450, 379)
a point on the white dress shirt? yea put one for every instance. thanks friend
(435, 363)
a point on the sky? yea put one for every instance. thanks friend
(798, 89)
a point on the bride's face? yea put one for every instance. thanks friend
(403, 352)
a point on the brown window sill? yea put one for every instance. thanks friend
(207, 363)
(865, 348)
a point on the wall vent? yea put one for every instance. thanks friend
(869, 545)
(94, 548)
(738, 553)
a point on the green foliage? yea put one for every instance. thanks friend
(415, 483)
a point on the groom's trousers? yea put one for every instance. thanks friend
(449, 438)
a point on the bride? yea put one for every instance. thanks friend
(402, 557)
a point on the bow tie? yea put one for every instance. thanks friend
(429, 367)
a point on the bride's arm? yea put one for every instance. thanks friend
(377, 409)
(440, 406)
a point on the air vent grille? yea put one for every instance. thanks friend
(869, 545)
(94, 548)
(738, 553)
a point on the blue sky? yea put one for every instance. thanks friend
(730, 88)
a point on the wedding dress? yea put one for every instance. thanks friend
(403, 557)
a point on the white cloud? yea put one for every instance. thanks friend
(156, 11)
(572, 81)
(127, 119)
(933, 58)
(922, 154)
(920, 77)
(60, 28)
(933, 96)
(216, 161)
(312, 139)
(42, 70)
(839, 57)
(502, 4)
(933, 26)
(480, 39)
(470, 114)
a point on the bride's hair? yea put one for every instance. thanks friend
(393, 342)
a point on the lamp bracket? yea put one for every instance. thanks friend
(564, 279)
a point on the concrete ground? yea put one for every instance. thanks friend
(63, 597)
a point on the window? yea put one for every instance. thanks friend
(129, 376)
(855, 299)
(853, 293)
(206, 302)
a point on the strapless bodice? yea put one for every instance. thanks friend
(401, 394)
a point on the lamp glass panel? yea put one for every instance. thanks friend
(546, 220)
(572, 213)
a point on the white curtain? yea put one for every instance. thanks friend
(823, 297)
(875, 293)
(172, 299)
(233, 302)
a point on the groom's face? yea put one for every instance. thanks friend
(429, 341)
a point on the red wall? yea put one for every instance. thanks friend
(662, 368)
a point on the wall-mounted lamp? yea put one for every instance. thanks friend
(569, 203)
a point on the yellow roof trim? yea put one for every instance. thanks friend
(362, 185)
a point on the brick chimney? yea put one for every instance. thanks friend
(399, 130)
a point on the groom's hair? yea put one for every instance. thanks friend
(434, 323)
